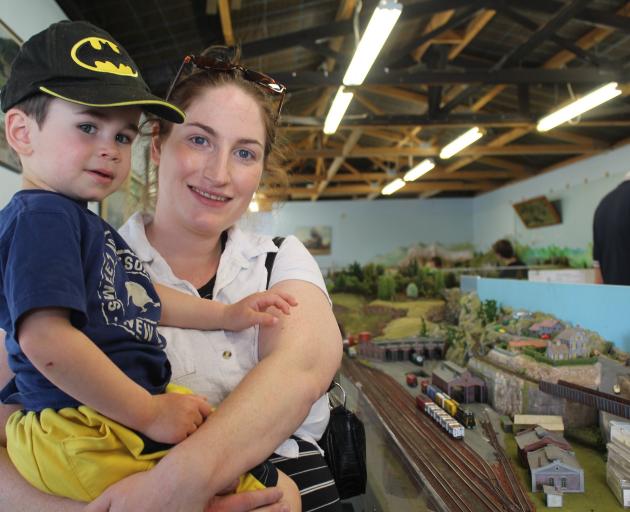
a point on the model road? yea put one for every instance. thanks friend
(462, 480)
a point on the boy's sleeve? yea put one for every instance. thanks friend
(44, 267)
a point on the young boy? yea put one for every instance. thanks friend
(78, 307)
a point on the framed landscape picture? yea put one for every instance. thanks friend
(9, 47)
(316, 239)
(537, 212)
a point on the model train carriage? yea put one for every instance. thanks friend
(440, 416)
(412, 380)
(465, 417)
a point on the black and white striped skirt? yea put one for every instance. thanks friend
(312, 476)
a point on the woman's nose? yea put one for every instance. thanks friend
(216, 168)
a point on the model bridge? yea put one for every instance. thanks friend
(587, 396)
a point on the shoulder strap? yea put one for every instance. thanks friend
(271, 257)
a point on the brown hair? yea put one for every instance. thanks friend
(191, 86)
(503, 248)
(36, 106)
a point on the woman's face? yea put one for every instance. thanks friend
(211, 165)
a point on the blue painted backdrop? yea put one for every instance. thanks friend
(601, 308)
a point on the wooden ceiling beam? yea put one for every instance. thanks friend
(474, 27)
(226, 22)
(380, 177)
(415, 188)
(574, 138)
(398, 93)
(384, 152)
(501, 163)
(560, 59)
(436, 21)
(368, 104)
(350, 143)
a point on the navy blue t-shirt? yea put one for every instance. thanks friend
(55, 253)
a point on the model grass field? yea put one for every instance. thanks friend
(382, 318)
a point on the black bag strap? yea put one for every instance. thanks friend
(271, 257)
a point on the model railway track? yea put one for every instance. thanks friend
(511, 480)
(461, 478)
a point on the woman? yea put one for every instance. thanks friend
(209, 169)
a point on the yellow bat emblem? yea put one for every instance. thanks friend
(98, 54)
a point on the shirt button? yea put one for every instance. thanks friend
(227, 354)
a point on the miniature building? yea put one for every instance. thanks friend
(618, 465)
(556, 351)
(548, 422)
(400, 350)
(549, 326)
(553, 495)
(576, 341)
(557, 468)
(516, 345)
(535, 438)
(459, 383)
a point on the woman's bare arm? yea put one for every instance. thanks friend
(300, 356)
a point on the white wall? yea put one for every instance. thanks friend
(579, 187)
(25, 18)
(362, 230)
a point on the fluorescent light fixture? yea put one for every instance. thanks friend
(337, 110)
(461, 142)
(254, 206)
(419, 170)
(380, 26)
(392, 187)
(579, 106)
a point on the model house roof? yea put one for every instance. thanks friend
(549, 455)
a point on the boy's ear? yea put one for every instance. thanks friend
(156, 144)
(17, 129)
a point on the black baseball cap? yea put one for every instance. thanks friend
(81, 63)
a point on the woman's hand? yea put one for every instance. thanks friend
(258, 308)
(138, 493)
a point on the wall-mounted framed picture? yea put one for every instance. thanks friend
(537, 212)
(316, 239)
(9, 47)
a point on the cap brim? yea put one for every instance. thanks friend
(116, 96)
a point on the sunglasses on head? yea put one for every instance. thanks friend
(220, 66)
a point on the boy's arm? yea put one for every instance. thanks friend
(186, 311)
(15, 492)
(73, 363)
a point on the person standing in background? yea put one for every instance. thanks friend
(611, 236)
(504, 251)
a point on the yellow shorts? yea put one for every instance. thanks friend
(78, 453)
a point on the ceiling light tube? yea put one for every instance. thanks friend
(337, 110)
(380, 26)
(461, 142)
(579, 106)
(254, 206)
(419, 170)
(392, 187)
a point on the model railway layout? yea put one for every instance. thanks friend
(462, 480)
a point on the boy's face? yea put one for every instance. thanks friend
(81, 152)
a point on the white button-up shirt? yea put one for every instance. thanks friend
(212, 363)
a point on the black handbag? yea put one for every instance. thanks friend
(343, 443)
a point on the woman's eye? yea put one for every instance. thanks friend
(198, 140)
(87, 128)
(245, 154)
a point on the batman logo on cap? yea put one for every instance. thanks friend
(103, 56)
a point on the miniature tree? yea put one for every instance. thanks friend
(489, 310)
(386, 287)
(412, 291)
(423, 328)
